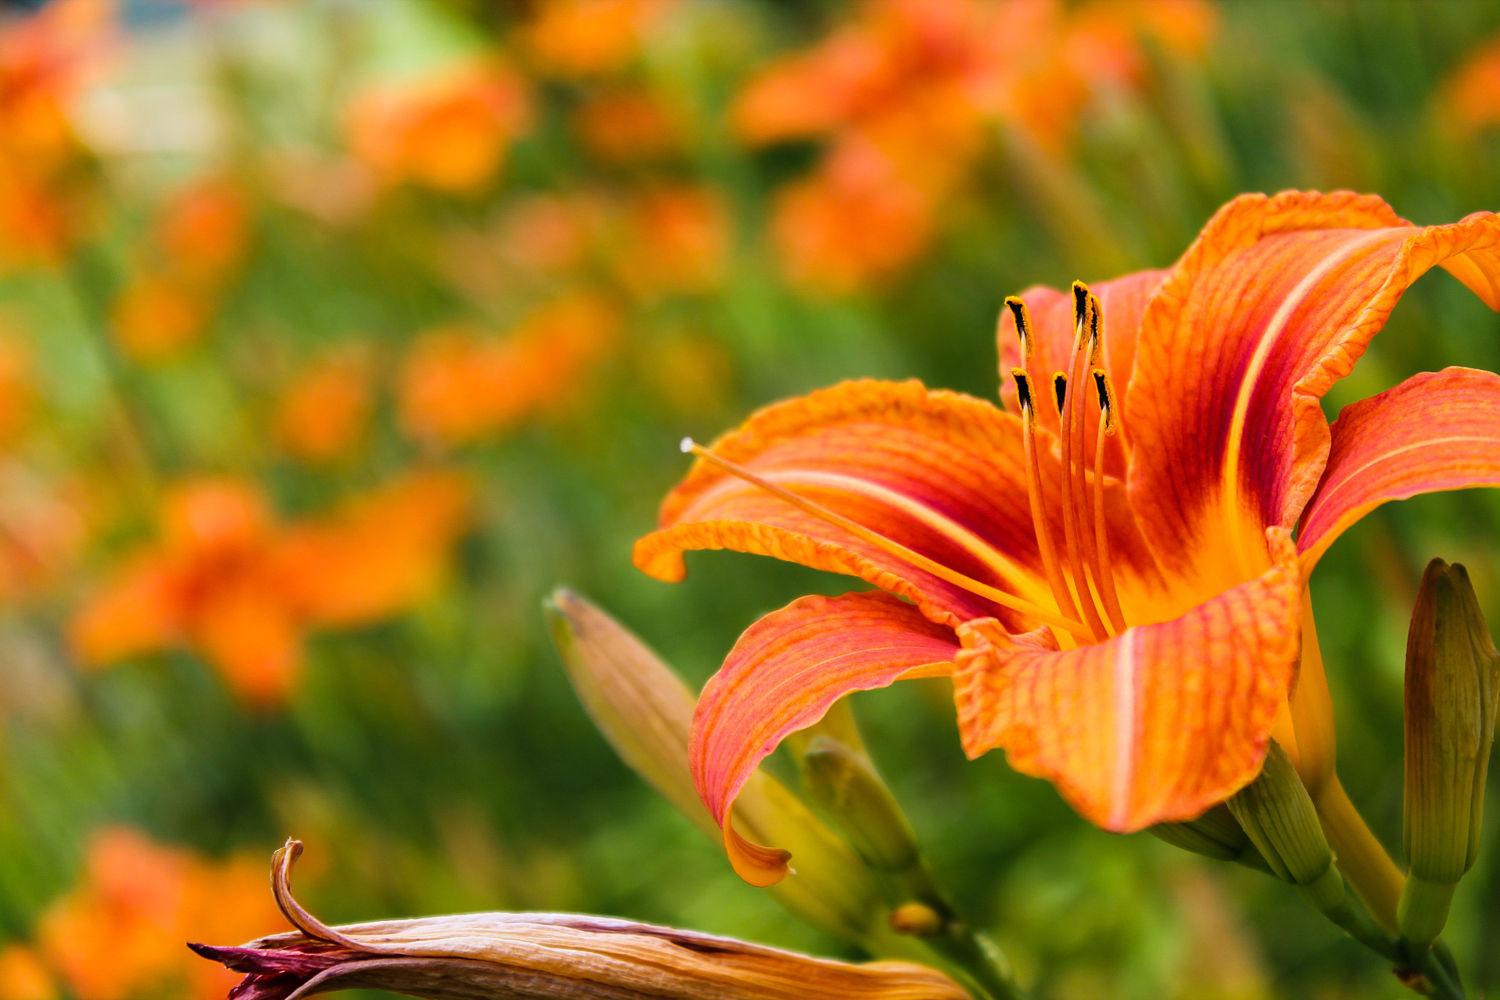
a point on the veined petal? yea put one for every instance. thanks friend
(1272, 304)
(783, 674)
(938, 472)
(1123, 301)
(1156, 724)
(1435, 431)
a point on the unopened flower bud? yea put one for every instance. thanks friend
(645, 711)
(1278, 816)
(844, 782)
(1451, 692)
(544, 956)
(1215, 834)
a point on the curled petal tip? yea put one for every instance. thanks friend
(758, 865)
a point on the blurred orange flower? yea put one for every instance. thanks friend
(196, 247)
(204, 228)
(850, 222)
(322, 414)
(629, 125)
(225, 579)
(574, 38)
(378, 552)
(448, 131)
(905, 77)
(23, 976)
(157, 314)
(44, 59)
(1470, 98)
(458, 385)
(675, 240)
(118, 934)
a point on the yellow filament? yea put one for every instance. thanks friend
(885, 544)
(1075, 494)
(1034, 497)
(1104, 569)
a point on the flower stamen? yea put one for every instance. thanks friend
(1044, 542)
(885, 544)
(1103, 431)
(1075, 492)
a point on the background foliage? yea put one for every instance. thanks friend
(333, 335)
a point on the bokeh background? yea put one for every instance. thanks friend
(334, 334)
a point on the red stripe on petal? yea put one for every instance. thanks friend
(1435, 431)
(1271, 305)
(783, 675)
(1158, 723)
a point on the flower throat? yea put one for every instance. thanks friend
(1076, 562)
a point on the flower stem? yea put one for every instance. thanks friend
(973, 952)
(1361, 858)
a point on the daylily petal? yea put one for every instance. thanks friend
(1272, 304)
(939, 472)
(783, 674)
(1122, 300)
(1435, 431)
(1158, 723)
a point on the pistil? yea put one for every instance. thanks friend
(885, 544)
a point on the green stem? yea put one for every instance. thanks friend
(1378, 882)
(977, 956)
(1361, 858)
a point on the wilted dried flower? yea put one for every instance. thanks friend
(544, 956)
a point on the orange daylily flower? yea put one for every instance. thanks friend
(630, 125)
(1470, 97)
(23, 976)
(44, 61)
(1113, 571)
(678, 239)
(195, 249)
(580, 38)
(901, 78)
(229, 581)
(118, 934)
(322, 414)
(449, 131)
(458, 385)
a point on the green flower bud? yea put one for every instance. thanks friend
(1279, 818)
(1451, 699)
(1216, 834)
(844, 782)
(645, 711)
